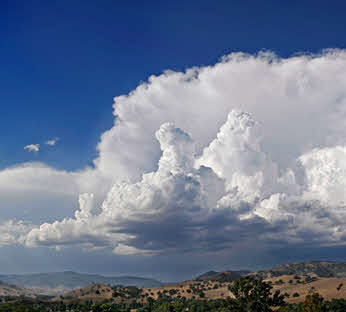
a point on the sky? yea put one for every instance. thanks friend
(169, 138)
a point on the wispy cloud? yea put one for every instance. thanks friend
(12, 230)
(32, 147)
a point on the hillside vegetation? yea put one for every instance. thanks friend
(318, 268)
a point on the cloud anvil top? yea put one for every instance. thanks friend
(249, 150)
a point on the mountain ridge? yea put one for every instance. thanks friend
(71, 280)
(60, 282)
(222, 276)
(318, 268)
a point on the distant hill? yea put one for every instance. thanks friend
(206, 275)
(71, 280)
(325, 269)
(94, 292)
(317, 268)
(226, 276)
(243, 272)
(7, 290)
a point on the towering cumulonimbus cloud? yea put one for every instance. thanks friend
(174, 207)
(250, 149)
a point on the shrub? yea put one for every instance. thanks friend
(340, 286)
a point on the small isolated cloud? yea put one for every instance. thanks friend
(52, 142)
(32, 147)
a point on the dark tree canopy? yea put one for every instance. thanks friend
(254, 295)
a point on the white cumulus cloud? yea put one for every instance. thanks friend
(52, 142)
(250, 149)
(32, 147)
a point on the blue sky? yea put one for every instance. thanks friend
(63, 62)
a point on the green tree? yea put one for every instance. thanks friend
(165, 307)
(254, 295)
(101, 308)
(313, 303)
(336, 305)
(293, 307)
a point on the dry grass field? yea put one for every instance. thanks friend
(327, 287)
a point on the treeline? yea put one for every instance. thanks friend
(181, 305)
